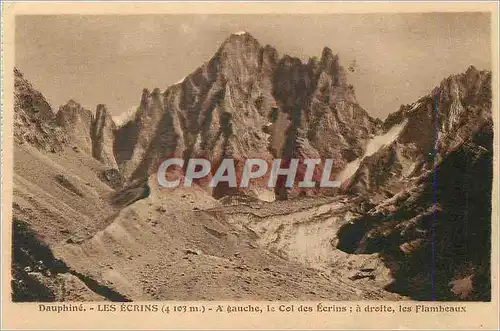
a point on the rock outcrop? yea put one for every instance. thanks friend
(93, 135)
(103, 136)
(247, 102)
(435, 231)
(416, 188)
(77, 122)
(34, 120)
(72, 127)
(425, 132)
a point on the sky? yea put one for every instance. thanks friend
(110, 59)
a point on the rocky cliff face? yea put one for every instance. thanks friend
(72, 127)
(103, 135)
(423, 133)
(93, 135)
(34, 118)
(416, 188)
(247, 102)
(77, 122)
(217, 110)
(435, 231)
(322, 104)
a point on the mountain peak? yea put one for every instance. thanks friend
(101, 111)
(73, 108)
(72, 103)
(328, 58)
(240, 33)
(238, 55)
(326, 53)
(238, 40)
(471, 68)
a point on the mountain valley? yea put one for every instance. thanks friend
(411, 220)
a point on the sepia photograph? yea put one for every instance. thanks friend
(325, 157)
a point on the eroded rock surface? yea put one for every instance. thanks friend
(413, 215)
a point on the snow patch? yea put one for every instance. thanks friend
(349, 170)
(378, 142)
(374, 145)
(240, 33)
(124, 117)
(180, 81)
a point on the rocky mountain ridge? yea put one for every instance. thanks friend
(71, 126)
(248, 102)
(34, 119)
(220, 110)
(432, 187)
(419, 178)
(244, 102)
(426, 131)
